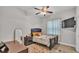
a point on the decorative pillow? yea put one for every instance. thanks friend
(36, 33)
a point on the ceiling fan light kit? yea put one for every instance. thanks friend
(43, 11)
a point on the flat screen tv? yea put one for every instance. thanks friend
(69, 23)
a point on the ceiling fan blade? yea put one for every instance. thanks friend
(36, 8)
(37, 13)
(47, 6)
(44, 15)
(49, 11)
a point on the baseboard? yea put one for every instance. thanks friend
(67, 44)
(6, 40)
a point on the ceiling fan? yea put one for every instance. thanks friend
(43, 10)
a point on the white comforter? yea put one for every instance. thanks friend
(43, 39)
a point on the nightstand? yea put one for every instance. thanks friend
(28, 40)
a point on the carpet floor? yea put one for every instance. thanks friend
(36, 48)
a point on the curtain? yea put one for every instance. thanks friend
(54, 27)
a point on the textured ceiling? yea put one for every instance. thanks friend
(29, 10)
(52, 8)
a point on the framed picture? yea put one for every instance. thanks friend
(69, 23)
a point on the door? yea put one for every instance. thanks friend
(18, 35)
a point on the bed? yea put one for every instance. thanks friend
(47, 40)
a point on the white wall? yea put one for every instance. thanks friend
(77, 29)
(67, 35)
(11, 18)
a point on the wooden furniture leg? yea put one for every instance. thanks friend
(51, 43)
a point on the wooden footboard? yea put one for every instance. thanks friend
(53, 42)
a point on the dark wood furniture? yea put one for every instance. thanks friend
(53, 42)
(56, 40)
(28, 40)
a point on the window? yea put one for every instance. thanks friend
(53, 27)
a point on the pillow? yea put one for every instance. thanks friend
(37, 34)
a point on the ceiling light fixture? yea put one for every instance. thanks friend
(43, 11)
